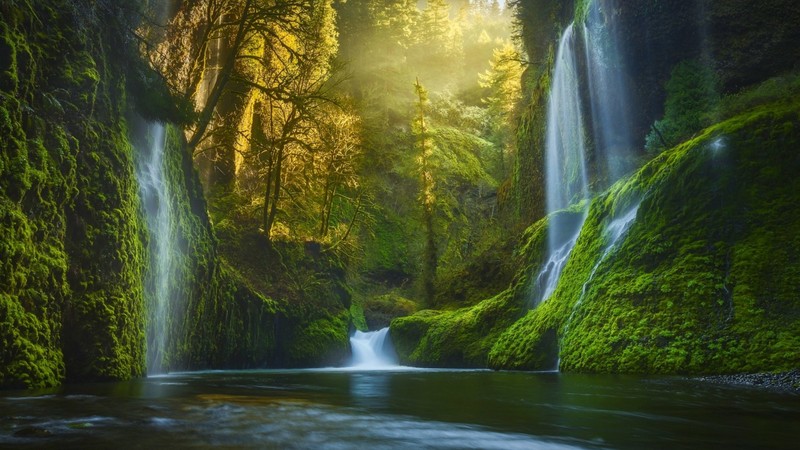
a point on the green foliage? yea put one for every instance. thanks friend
(71, 231)
(379, 311)
(705, 280)
(460, 338)
(692, 94)
(465, 336)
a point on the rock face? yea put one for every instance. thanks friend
(744, 41)
(72, 248)
(73, 240)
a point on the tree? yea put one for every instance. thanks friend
(427, 197)
(504, 81)
(437, 46)
(213, 55)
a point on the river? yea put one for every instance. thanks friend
(400, 408)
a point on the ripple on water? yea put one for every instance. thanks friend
(299, 424)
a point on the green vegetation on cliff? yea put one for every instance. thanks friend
(704, 281)
(72, 236)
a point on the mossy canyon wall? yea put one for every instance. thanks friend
(75, 253)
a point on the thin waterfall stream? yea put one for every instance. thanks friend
(155, 194)
(565, 162)
(615, 230)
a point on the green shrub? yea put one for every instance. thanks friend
(692, 95)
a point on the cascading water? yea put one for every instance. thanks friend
(613, 232)
(565, 162)
(566, 149)
(372, 350)
(161, 283)
(565, 144)
(608, 94)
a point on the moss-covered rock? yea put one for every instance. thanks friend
(380, 310)
(460, 338)
(463, 338)
(705, 281)
(72, 237)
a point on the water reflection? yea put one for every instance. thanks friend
(382, 410)
(370, 389)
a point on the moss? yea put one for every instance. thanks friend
(322, 341)
(379, 310)
(705, 279)
(465, 336)
(357, 318)
(460, 338)
(71, 232)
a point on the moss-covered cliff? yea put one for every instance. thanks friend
(72, 248)
(75, 257)
(743, 42)
(703, 281)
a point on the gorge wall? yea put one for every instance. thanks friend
(75, 252)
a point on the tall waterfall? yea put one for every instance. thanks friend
(372, 350)
(565, 143)
(571, 126)
(161, 283)
(565, 162)
(608, 94)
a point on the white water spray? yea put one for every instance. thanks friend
(161, 283)
(565, 145)
(568, 127)
(372, 350)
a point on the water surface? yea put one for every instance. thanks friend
(342, 409)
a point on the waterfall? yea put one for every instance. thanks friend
(613, 232)
(608, 94)
(604, 124)
(565, 162)
(372, 350)
(565, 145)
(161, 280)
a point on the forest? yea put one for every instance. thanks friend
(398, 202)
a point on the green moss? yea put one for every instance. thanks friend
(464, 337)
(69, 215)
(460, 338)
(323, 341)
(705, 279)
(357, 317)
(379, 310)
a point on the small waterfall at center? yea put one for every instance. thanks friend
(372, 350)
(155, 194)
